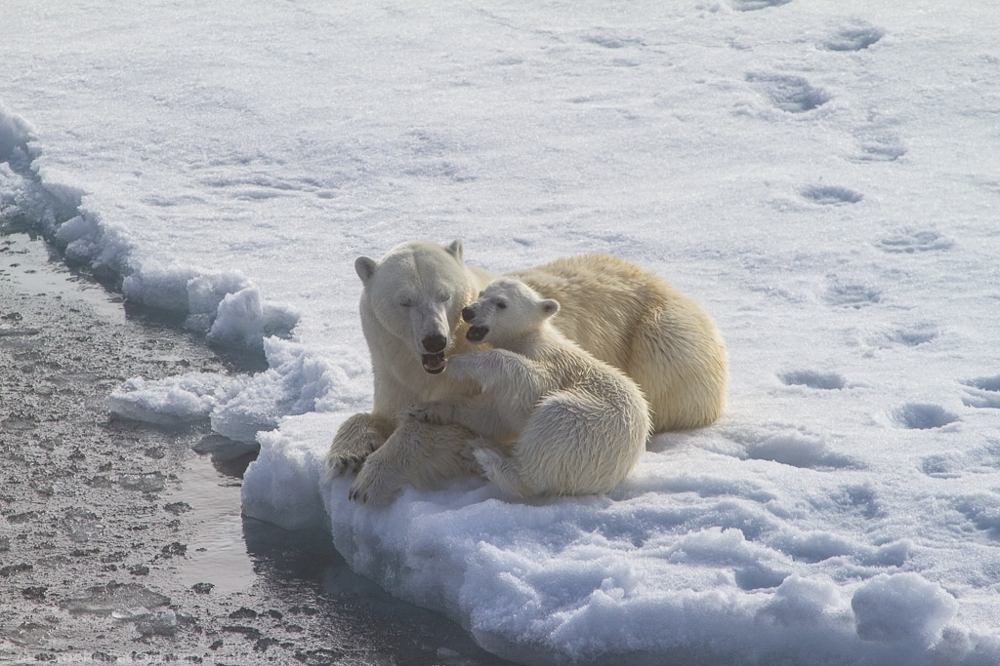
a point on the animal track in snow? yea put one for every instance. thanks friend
(793, 448)
(879, 148)
(854, 37)
(788, 92)
(852, 295)
(919, 416)
(983, 511)
(964, 460)
(754, 5)
(911, 336)
(878, 139)
(861, 499)
(813, 379)
(983, 393)
(611, 41)
(910, 241)
(941, 466)
(827, 195)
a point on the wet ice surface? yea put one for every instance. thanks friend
(124, 543)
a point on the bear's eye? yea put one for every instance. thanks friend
(501, 305)
(406, 303)
(444, 298)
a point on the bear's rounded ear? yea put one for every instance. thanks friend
(365, 267)
(549, 306)
(455, 250)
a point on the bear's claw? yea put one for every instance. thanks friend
(376, 484)
(344, 464)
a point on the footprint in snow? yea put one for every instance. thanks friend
(852, 295)
(963, 460)
(813, 379)
(788, 92)
(831, 195)
(879, 147)
(755, 5)
(942, 466)
(793, 448)
(983, 511)
(878, 139)
(857, 36)
(861, 499)
(983, 393)
(911, 241)
(920, 416)
(909, 336)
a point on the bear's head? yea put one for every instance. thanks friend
(416, 293)
(507, 310)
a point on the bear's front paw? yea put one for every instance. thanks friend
(355, 440)
(343, 464)
(376, 484)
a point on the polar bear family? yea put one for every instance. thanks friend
(576, 424)
(411, 314)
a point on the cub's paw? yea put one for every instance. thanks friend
(376, 484)
(489, 462)
(463, 366)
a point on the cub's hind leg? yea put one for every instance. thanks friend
(503, 471)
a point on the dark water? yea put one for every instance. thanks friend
(124, 543)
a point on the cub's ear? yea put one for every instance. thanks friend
(549, 306)
(455, 250)
(365, 268)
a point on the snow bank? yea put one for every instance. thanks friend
(225, 305)
(679, 563)
(238, 407)
(15, 133)
(175, 400)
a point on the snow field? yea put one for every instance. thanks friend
(821, 176)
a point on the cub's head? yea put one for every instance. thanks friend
(507, 310)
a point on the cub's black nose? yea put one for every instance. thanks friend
(468, 314)
(435, 343)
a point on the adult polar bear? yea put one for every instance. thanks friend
(411, 305)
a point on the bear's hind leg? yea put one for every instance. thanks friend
(355, 440)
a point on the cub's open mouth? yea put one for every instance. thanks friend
(434, 363)
(477, 333)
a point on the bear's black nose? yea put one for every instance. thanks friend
(468, 314)
(435, 343)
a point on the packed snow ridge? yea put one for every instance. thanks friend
(224, 305)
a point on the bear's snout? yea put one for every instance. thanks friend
(477, 333)
(468, 314)
(434, 343)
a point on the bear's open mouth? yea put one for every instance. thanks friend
(434, 363)
(477, 333)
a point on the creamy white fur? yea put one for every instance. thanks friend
(616, 311)
(580, 424)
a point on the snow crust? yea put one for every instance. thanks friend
(821, 176)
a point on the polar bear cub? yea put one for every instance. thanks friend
(580, 424)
